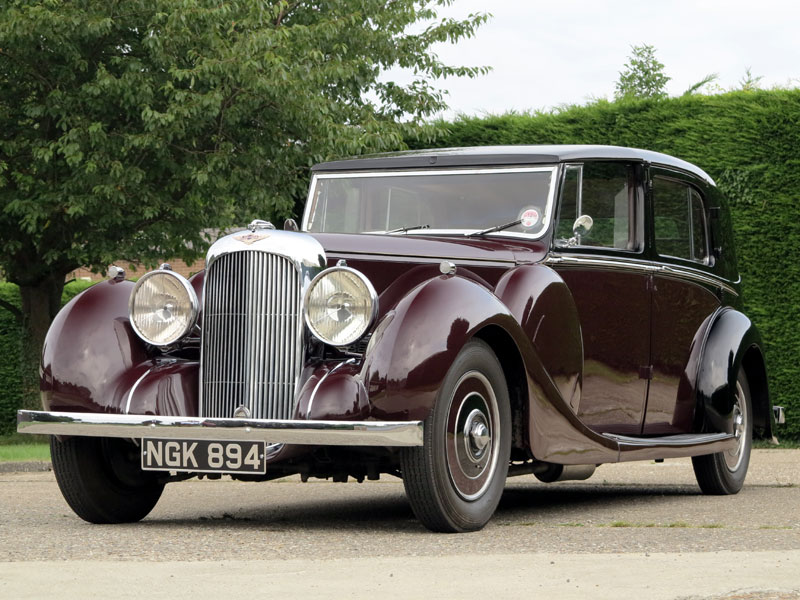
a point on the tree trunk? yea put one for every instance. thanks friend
(40, 303)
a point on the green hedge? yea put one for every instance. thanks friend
(749, 142)
(10, 332)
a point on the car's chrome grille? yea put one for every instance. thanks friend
(251, 354)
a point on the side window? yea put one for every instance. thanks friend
(604, 192)
(680, 220)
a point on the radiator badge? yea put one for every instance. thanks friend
(251, 238)
(242, 412)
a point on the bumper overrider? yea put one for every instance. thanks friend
(272, 431)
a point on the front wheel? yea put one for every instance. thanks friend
(455, 479)
(101, 480)
(724, 472)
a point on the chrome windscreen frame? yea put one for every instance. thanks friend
(302, 250)
(547, 217)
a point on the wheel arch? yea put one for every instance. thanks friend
(756, 372)
(505, 348)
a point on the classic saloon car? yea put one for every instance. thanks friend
(451, 317)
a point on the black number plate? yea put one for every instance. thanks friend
(203, 456)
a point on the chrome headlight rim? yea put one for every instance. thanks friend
(193, 301)
(370, 321)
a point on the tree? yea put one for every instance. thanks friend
(643, 76)
(127, 127)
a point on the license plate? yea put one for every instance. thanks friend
(203, 456)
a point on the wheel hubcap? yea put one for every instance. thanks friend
(476, 435)
(733, 458)
(471, 444)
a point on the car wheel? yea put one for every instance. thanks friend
(455, 479)
(724, 472)
(101, 480)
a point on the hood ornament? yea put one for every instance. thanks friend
(260, 224)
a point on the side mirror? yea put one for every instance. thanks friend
(581, 226)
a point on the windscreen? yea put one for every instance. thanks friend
(454, 201)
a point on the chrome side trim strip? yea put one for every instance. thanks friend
(698, 276)
(329, 433)
(569, 260)
(622, 264)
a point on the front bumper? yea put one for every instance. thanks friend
(273, 431)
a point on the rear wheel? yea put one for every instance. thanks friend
(724, 472)
(455, 480)
(101, 480)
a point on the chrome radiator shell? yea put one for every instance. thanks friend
(252, 348)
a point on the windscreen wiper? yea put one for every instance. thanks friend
(404, 229)
(493, 229)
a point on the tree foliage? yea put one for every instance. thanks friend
(127, 127)
(643, 75)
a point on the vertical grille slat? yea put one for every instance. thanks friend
(250, 326)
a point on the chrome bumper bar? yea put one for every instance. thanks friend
(323, 433)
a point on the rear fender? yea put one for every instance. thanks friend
(733, 342)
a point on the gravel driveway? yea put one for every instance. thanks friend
(635, 530)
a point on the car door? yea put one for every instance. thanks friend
(685, 296)
(609, 277)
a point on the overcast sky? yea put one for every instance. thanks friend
(545, 54)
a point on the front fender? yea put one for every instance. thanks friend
(92, 361)
(733, 342)
(418, 340)
(91, 356)
(543, 306)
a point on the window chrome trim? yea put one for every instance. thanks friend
(547, 217)
(641, 266)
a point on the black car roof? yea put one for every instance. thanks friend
(505, 155)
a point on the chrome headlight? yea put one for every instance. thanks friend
(163, 307)
(340, 306)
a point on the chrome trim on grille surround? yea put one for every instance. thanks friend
(623, 264)
(290, 260)
(330, 433)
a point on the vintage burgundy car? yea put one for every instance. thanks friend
(450, 317)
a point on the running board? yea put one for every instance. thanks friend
(671, 446)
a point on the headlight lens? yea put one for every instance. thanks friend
(163, 307)
(340, 306)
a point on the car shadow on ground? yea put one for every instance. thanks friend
(355, 509)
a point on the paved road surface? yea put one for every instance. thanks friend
(637, 530)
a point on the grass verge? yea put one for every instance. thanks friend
(24, 452)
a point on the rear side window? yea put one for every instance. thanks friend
(680, 220)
